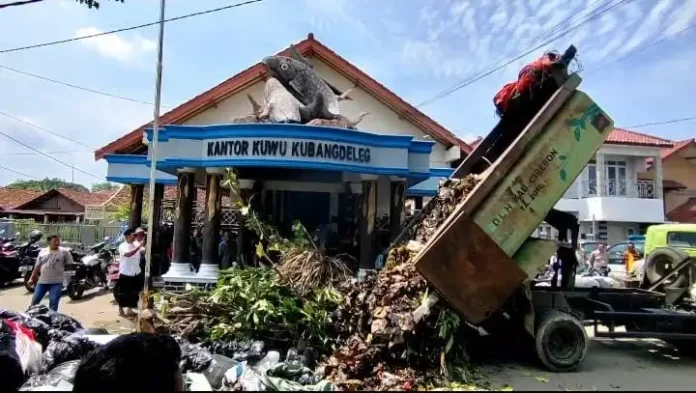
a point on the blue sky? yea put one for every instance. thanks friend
(416, 48)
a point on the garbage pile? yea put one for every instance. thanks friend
(393, 320)
(41, 349)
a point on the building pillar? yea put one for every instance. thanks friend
(136, 205)
(210, 264)
(159, 255)
(396, 208)
(185, 194)
(418, 203)
(601, 175)
(658, 187)
(367, 222)
(45, 219)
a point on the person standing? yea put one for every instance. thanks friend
(130, 280)
(598, 260)
(630, 256)
(49, 273)
(224, 251)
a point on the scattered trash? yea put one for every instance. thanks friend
(215, 373)
(61, 375)
(73, 347)
(54, 319)
(20, 354)
(542, 379)
(194, 358)
(40, 329)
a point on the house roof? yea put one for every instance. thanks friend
(620, 136)
(684, 213)
(16, 199)
(257, 72)
(13, 197)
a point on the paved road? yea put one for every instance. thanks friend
(96, 309)
(609, 365)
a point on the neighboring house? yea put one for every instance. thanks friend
(56, 205)
(611, 197)
(679, 168)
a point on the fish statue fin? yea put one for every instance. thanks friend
(255, 107)
(296, 86)
(345, 96)
(353, 123)
(294, 54)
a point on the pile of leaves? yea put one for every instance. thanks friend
(251, 303)
(392, 322)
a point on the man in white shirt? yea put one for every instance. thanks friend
(130, 281)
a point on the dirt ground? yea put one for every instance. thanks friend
(95, 309)
(609, 365)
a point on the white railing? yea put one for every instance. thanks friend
(644, 189)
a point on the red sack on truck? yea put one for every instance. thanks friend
(20, 354)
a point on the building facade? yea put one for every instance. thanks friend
(349, 183)
(612, 198)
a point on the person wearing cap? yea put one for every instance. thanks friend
(129, 280)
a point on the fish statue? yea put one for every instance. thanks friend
(281, 106)
(306, 85)
(340, 123)
(294, 54)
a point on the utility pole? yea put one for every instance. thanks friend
(153, 166)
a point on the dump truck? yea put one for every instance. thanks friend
(483, 261)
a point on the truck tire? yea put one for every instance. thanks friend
(661, 260)
(561, 341)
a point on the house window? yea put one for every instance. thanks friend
(592, 178)
(616, 178)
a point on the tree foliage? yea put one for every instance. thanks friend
(46, 185)
(104, 186)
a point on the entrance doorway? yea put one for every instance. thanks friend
(310, 208)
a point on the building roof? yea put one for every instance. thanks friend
(684, 213)
(13, 197)
(668, 184)
(620, 136)
(16, 199)
(307, 47)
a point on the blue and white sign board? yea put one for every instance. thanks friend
(292, 146)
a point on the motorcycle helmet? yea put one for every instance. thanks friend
(35, 235)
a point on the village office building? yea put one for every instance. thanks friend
(349, 181)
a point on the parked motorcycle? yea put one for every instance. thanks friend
(16, 261)
(91, 270)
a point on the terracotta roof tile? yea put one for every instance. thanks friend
(86, 198)
(684, 213)
(256, 73)
(621, 136)
(13, 197)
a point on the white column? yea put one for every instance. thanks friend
(657, 167)
(601, 175)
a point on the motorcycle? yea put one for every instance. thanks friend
(90, 271)
(18, 261)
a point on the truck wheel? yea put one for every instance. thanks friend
(662, 260)
(561, 341)
(75, 290)
(27, 285)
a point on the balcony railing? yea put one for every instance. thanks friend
(644, 189)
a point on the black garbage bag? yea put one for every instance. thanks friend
(54, 319)
(293, 372)
(11, 366)
(20, 354)
(38, 327)
(194, 357)
(73, 347)
(240, 351)
(57, 335)
(64, 372)
(215, 372)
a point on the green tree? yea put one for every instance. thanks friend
(104, 186)
(122, 212)
(46, 184)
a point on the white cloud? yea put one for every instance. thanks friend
(114, 46)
